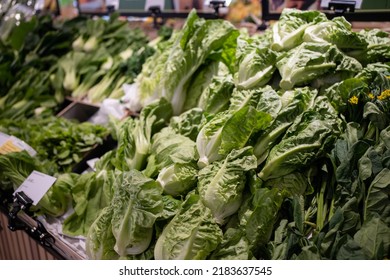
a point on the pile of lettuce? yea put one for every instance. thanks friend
(272, 146)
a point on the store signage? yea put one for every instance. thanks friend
(9, 144)
(36, 185)
(144, 4)
(151, 3)
(358, 3)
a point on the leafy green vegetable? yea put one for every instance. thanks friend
(200, 81)
(63, 142)
(221, 183)
(215, 97)
(288, 31)
(219, 136)
(256, 64)
(191, 235)
(294, 103)
(135, 136)
(258, 216)
(100, 239)
(178, 178)
(234, 246)
(308, 61)
(337, 31)
(91, 193)
(303, 142)
(169, 148)
(15, 168)
(189, 123)
(137, 202)
(176, 65)
(58, 198)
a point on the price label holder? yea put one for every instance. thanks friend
(36, 185)
(30, 193)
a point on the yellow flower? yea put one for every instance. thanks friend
(353, 100)
(384, 95)
(370, 95)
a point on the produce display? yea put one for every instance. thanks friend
(44, 60)
(271, 146)
(61, 142)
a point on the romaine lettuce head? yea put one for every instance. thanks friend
(171, 207)
(255, 63)
(191, 235)
(309, 61)
(91, 193)
(228, 130)
(294, 103)
(58, 198)
(221, 183)
(147, 82)
(125, 150)
(189, 123)
(100, 240)
(152, 119)
(294, 183)
(136, 204)
(288, 31)
(305, 141)
(200, 80)
(178, 178)
(215, 97)
(337, 31)
(209, 78)
(168, 148)
(198, 39)
(264, 99)
(378, 49)
(168, 73)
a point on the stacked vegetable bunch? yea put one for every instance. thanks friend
(43, 60)
(27, 60)
(274, 146)
(105, 55)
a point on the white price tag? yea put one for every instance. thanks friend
(150, 3)
(23, 145)
(3, 138)
(91, 163)
(36, 185)
(9, 144)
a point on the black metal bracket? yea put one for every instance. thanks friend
(216, 5)
(157, 16)
(33, 227)
(20, 202)
(40, 233)
(110, 9)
